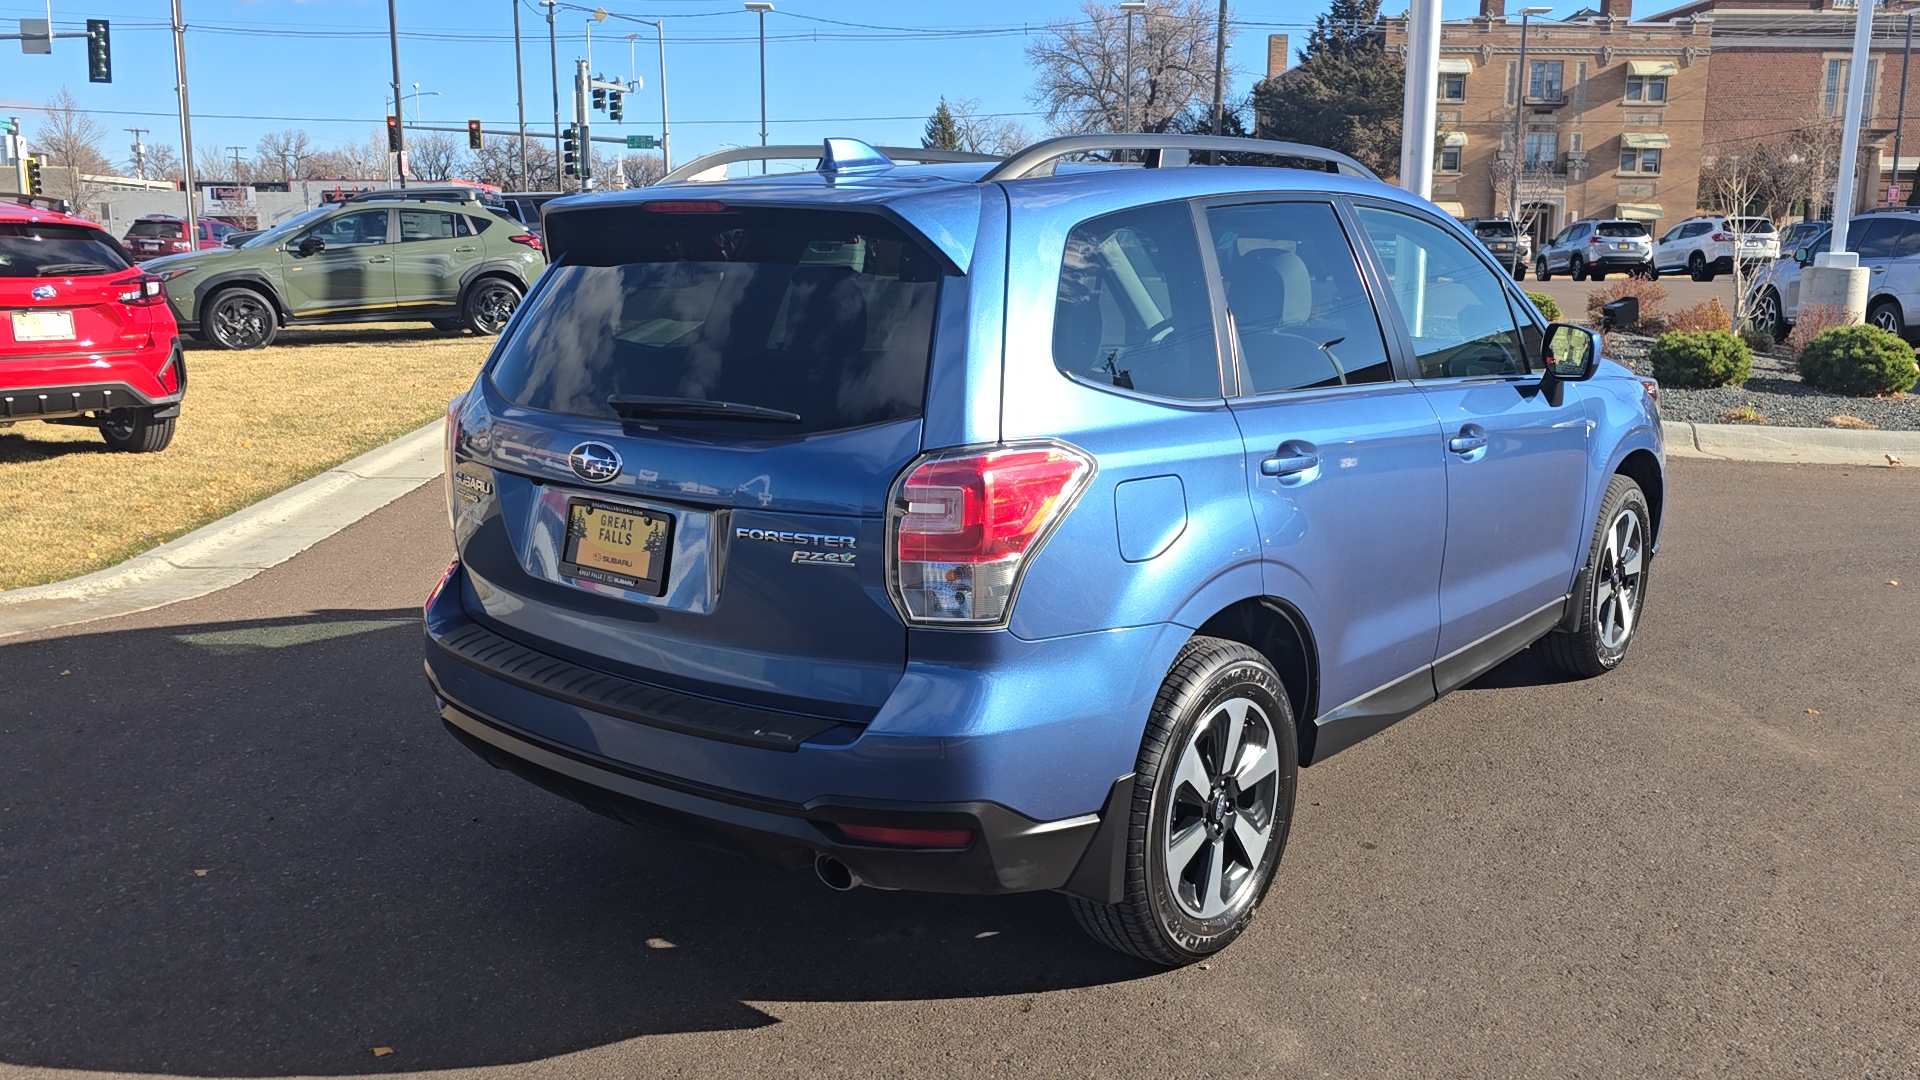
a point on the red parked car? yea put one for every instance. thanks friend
(157, 234)
(86, 338)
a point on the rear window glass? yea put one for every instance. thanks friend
(828, 315)
(1622, 228)
(1493, 228)
(32, 250)
(162, 229)
(1750, 225)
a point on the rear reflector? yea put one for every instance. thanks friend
(686, 206)
(920, 838)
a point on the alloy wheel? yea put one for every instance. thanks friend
(1618, 580)
(1222, 810)
(1885, 319)
(494, 306)
(240, 321)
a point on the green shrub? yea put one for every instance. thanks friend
(1702, 359)
(1758, 338)
(1547, 305)
(1858, 360)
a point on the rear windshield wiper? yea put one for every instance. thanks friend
(640, 406)
(52, 269)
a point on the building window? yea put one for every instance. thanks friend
(1453, 87)
(1542, 148)
(1543, 79)
(1450, 159)
(1639, 161)
(1834, 102)
(1651, 88)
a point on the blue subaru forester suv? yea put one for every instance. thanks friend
(991, 525)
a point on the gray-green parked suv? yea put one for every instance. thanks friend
(380, 258)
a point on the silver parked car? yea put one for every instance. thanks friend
(1595, 248)
(1888, 244)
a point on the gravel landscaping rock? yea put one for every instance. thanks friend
(1775, 393)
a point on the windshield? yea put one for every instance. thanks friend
(828, 315)
(1750, 225)
(284, 231)
(1622, 228)
(35, 250)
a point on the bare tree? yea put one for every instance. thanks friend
(364, 160)
(981, 133)
(498, 162)
(280, 153)
(163, 162)
(639, 170)
(72, 139)
(1081, 64)
(435, 155)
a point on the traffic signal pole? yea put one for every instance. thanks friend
(400, 129)
(186, 123)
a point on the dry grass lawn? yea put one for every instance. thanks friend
(254, 423)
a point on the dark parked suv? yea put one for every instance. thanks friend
(988, 526)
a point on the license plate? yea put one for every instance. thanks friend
(1503, 247)
(1622, 247)
(43, 326)
(617, 545)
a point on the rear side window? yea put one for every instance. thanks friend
(1132, 309)
(1622, 228)
(828, 315)
(35, 250)
(165, 230)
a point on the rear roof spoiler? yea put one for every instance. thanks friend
(39, 202)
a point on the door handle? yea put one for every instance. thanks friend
(464, 248)
(1879, 269)
(1467, 442)
(381, 259)
(1292, 458)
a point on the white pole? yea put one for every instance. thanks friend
(1850, 134)
(1423, 73)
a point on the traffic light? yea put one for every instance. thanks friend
(600, 98)
(33, 176)
(613, 104)
(473, 134)
(393, 134)
(99, 52)
(570, 151)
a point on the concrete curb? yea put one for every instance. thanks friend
(1808, 446)
(237, 546)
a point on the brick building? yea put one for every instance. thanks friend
(1611, 117)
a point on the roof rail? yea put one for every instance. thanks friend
(39, 202)
(818, 152)
(442, 193)
(1039, 158)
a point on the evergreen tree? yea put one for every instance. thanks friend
(1346, 32)
(942, 132)
(1350, 105)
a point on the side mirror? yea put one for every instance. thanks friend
(1803, 256)
(1573, 355)
(312, 245)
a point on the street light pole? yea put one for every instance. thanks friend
(1132, 8)
(1519, 108)
(666, 140)
(761, 7)
(186, 123)
(399, 129)
(1899, 125)
(520, 93)
(553, 61)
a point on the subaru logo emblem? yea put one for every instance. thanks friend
(595, 462)
(45, 292)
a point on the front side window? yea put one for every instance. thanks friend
(1454, 306)
(347, 230)
(1647, 88)
(1132, 310)
(1639, 160)
(1543, 80)
(1302, 319)
(1453, 87)
(425, 225)
(1883, 238)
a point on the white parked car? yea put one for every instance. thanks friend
(1704, 247)
(1596, 248)
(1888, 244)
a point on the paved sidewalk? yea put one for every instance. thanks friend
(237, 546)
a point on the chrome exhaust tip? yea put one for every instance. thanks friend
(835, 874)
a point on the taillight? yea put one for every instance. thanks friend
(1652, 387)
(964, 524)
(143, 290)
(920, 838)
(441, 584)
(1721, 238)
(450, 440)
(528, 239)
(180, 245)
(1594, 239)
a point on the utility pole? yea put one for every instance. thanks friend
(761, 7)
(1520, 84)
(400, 129)
(553, 61)
(583, 120)
(236, 162)
(1899, 126)
(1219, 75)
(1132, 8)
(186, 124)
(520, 94)
(140, 152)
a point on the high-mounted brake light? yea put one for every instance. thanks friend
(964, 525)
(528, 239)
(686, 206)
(921, 838)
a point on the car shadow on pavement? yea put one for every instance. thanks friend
(1520, 670)
(249, 848)
(19, 446)
(297, 337)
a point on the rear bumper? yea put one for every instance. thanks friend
(1626, 259)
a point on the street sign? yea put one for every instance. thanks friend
(639, 142)
(1893, 194)
(36, 36)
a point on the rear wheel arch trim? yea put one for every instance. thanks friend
(205, 292)
(1277, 629)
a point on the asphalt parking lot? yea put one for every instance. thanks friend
(237, 843)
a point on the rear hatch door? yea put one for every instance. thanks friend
(60, 289)
(681, 455)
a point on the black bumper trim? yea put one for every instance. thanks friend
(38, 403)
(1010, 852)
(642, 703)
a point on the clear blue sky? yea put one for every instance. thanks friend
(322, 65)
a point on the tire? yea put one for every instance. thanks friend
(1596, 275)
(1697, 268)
(1192, 885)
(1576, 268)
(1648, 272)
(1519, 271)
(1769, 315)
(1612, 590)
(1887, 316)
(1540, 269)
(490, 303)
(240, 319)
(451, 325)
(135, 431)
